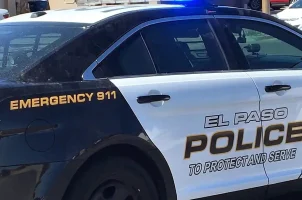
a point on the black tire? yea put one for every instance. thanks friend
(116, 178)
(255, 4)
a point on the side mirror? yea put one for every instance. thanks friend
(241, 40)
(253, 48)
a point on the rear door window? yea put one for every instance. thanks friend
(21, 47)
(184, 46)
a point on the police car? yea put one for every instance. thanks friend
(152, 102)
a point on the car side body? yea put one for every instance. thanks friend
(60, 111)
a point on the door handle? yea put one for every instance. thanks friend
(276, 88)
(152, 98)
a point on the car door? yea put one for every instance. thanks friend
(274, 54)
(175, 78)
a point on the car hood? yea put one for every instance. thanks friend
(290, 13)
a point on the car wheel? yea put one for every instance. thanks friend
(255, 4)
(116, 178)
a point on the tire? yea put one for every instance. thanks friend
(255, 4)
(117, 178)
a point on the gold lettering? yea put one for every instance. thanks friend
(81, 98)
(71, 98)
(14, 105)
(101, 96)
(107, 94)
(63, 99)
(53, 100)
(44, 101)
(89, 96)
(26, 104)
(113, 93)
(35, 102)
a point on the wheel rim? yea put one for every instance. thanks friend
(115, 190)
(255, 4)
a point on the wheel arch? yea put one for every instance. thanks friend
(140, 150)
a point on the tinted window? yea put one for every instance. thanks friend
(266, 46)
(131, 58)
(21, 46)
(184, 46)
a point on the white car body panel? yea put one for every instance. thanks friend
(193, 97)
(281, 171)
(91, 14)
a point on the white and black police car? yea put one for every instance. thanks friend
(150, 102)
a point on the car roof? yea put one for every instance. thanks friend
(87, 14)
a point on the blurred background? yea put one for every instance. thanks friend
(22, 6)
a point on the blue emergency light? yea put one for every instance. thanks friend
(189, 3)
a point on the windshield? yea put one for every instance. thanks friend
(22, 46)
(297, 4)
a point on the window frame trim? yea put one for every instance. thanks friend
(88, 73)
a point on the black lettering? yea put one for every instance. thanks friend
(207, 166)
(251, 160)
(213, 166)
(191, 166)
(293, 153)
(258, 158)
(267, 115)
(277, 156)
(220, 165)
(268, 131)
(271, 156)
(240, 145)
(221, 122)
(253, 117)
(239, 162)
(227, 163)
(225, 134)
(294, 132)
(258, 137)
(240, 117)
(264, 158)
(244, 160)
(198, 169)
(233, 163)
(281, 113)
(282, 154)
(288, 152)
(211, 121)
(192, 149)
